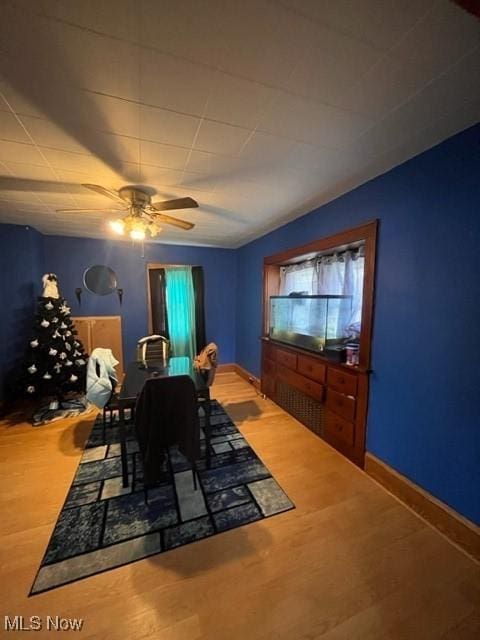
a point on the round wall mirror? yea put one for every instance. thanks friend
(100, 279)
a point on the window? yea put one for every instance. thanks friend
(335, 274)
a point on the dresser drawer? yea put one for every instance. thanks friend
(343, 382)
(287, 359)
(311, 368)
(341, 404)
(305, 385)
(339, 428)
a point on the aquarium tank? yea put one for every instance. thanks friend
(310, 322)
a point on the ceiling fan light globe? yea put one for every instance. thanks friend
(118, 226)
(154, 229)
(137, 234)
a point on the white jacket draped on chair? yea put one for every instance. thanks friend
(100, 373)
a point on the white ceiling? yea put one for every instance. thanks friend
(258, 109)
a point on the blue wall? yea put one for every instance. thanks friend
(21, 253)
(424, 410)
(70, 257)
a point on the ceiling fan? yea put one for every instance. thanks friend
(143, 214)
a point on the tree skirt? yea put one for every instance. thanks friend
(103, 525)
(59, 410)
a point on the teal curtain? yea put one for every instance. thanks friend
(181, 311)
(180, 366)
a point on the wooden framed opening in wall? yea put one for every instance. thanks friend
(152, 266)
(367, 234)
(327, 396)
(157, 274)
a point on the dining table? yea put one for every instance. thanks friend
(137, 372)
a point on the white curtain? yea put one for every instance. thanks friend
(339, 274)
(298, 278)
(356, 275)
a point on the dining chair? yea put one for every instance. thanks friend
(102, 383)
(153, 347)
(111, 406)
(206, 362)
(166, 414)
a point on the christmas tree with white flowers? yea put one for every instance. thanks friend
(55, 361)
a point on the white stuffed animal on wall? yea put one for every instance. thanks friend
(50, 286)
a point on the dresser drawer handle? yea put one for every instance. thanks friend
(341, 380)
(339, 402)
(339, 427)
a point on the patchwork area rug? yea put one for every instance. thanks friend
(103, 525)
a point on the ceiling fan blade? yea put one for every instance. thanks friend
(104, 210)
(178, 203)
(175, 222)
(110, 193)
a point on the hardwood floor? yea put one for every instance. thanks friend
(349, 562)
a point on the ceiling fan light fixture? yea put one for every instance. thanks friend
(135, 226)
(142, 216)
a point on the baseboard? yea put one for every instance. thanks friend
(246, 375)
(226, 368)
(233, 367)
(455, 527)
